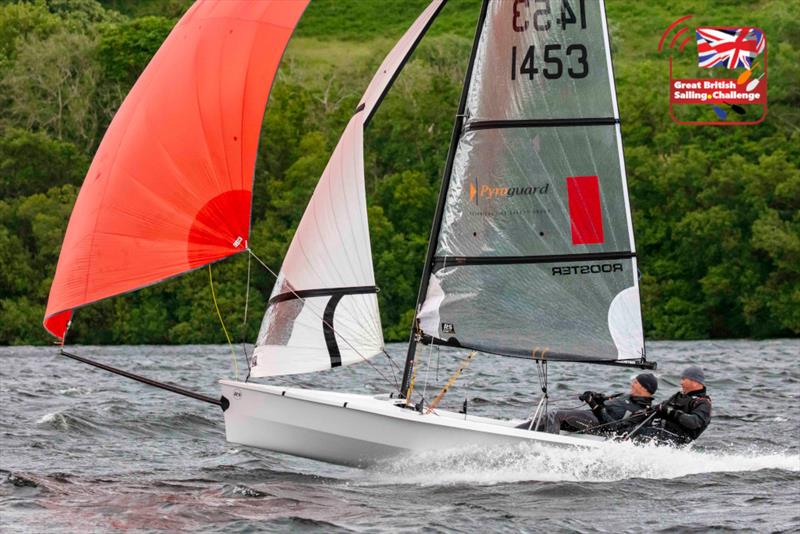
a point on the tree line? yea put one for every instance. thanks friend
(715, 209)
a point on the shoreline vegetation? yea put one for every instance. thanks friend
(716, 209)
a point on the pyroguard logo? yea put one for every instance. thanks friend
(737, 53)
(478, 191)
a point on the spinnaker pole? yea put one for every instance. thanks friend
(458, 127)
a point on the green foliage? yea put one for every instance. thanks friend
(32, 161)
(360, 20)
(31, 230)
(125, 49)
(141, 8)
(716, 210)
(21, 20)
(50, 87)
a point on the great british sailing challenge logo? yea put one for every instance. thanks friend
(738, 57)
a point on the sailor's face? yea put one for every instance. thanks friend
(688, 385)
(638, 390)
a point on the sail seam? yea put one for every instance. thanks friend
(322, 292)
(533, 123)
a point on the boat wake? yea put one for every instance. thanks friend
(611, 462)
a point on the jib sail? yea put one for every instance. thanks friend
(534, 253)
(323, 311)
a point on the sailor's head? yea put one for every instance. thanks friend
(644, 385)
(692, 379)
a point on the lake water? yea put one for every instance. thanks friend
(84, 450)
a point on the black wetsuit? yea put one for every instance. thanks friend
(627, 410)
(690, 416)
(619, 409)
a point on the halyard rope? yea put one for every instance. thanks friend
(244, 321)
(227, 336)
(464, 364)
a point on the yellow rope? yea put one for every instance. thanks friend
(228, 337)
(464, 364)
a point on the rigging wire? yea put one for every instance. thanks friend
(219, 314)
(541, 371)
(395, 369)
(438, 353)
(244, 321)
(311, 308)
(427, 375)
(465, 406)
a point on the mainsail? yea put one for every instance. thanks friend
(169, 189)
(533, 254)
(323, 311)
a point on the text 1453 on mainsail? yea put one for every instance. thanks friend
(539, 14)
(576, 54)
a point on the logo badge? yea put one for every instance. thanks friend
(479, 191)
(725, 84)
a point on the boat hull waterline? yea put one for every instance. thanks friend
(361, 430)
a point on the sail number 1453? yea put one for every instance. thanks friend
(549, 62)
(553, 65)
(538, 13)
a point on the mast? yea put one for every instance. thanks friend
(458, 127)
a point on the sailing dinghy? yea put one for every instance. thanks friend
(531, 252)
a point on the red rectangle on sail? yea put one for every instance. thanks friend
(585, 216)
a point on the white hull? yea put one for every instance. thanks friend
(359, 430)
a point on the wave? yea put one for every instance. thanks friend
(534, 462)
(66, 422)
(74, 391)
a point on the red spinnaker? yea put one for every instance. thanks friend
(170, 187)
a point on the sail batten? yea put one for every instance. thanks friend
(535, 248)
(529, 123)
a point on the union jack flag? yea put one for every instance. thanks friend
(731, 47)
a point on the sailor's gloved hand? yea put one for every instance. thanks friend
(665, 410)
(592, 399)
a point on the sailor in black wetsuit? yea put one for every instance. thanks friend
(628, 410)
(620, 409)
(687, 414)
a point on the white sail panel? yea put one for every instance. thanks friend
(323, 311)
(522, 72)
(535, 253)
(329, 257)
(298, 335)
(625, 322)
(517, 202)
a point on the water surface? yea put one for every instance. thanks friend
(85, 450)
